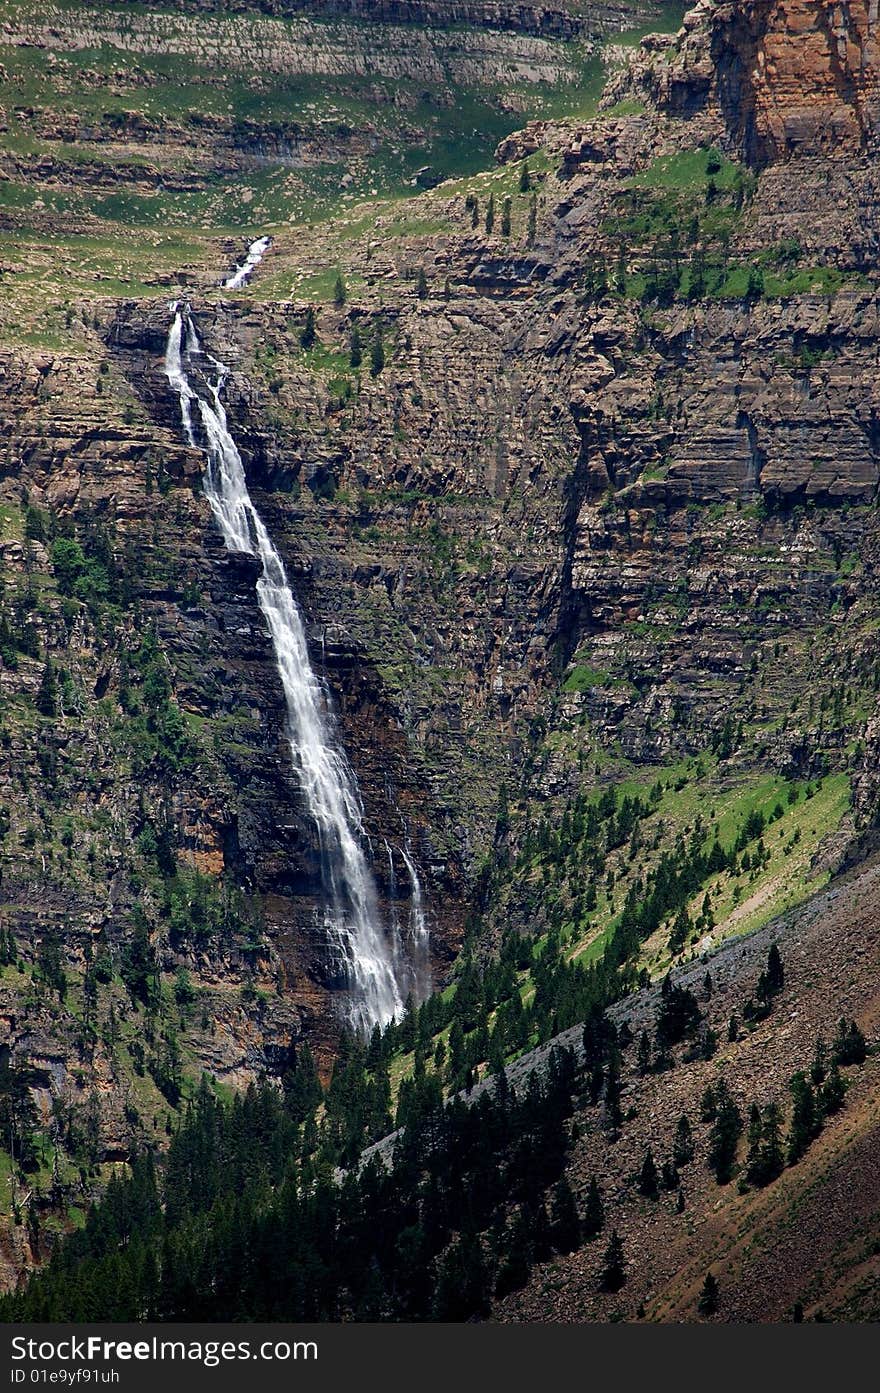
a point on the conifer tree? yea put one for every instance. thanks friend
(308, 335)
(46, 700)
(669, 1176)
(708, 1302)
(339, 291)
(461, 1290)
(356, 352)
(490, 213)
(683, 1142)
(531, 233)
(515, 1259)
(525, 177)
(613, 1114)
(775, 970)
(833, 1091)
(806, 1120)
(648, 1182)
(849, 1045)
(565, 1226)
(613, 1273)
(505, 218)
(725, 1133)
(377, 352)
(422, 284)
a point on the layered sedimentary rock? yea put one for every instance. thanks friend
(571, 528)
(786, 76)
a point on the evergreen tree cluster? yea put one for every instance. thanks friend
(247, 1217)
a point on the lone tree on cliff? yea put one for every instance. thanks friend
(46, 700)
(648, 1183)
(708, 1302)
(613, 1275)
(308, 335)
(377, 352)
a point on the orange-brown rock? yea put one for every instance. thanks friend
(785, 76)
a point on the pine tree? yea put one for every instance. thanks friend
(46, 700)
(819, 1066)
(708, 1104)
(540, 1231)
(490, 213)
(754, 1137)
(516, 1258)
(505, 218)
(669, 1176)
(613, 1274)
(565, 1226)
(708, 1302)
(849, 1045)
(644, 1053)
(806, 1122)
(771, 1158)
(682, 925)
(525, 177)
(308, 335)
(613, 1114)
(832, 1094)
(422, 284)
(50, 964)
(683, 1142)
(775, 970)
(461, 1290)
(339, 291)
(725, 1133)
(356, 352)
(648, 1182)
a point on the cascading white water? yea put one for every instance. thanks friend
(255, 253)
(418, 923)
(396, 941)
(352, 916)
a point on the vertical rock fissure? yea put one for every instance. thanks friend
(352, 916)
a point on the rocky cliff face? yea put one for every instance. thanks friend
(607, 506)
(786, 78)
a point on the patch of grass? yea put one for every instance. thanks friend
(581, 678)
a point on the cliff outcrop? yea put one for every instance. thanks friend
(798, 76)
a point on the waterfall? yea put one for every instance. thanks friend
(255, 253)
(418, 923)
(396, 943)
(351, 915)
